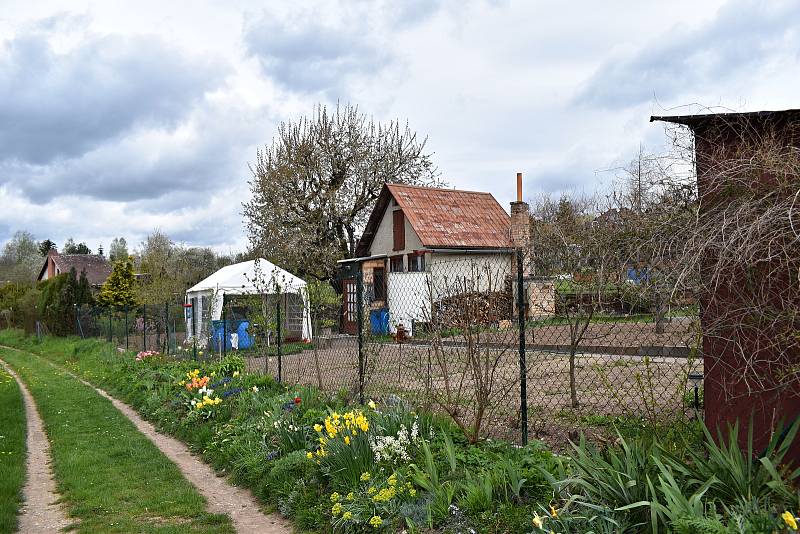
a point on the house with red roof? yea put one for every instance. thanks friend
(96, 266)
(416, 233)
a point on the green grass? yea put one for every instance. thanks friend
(12, 451)
(111, 476)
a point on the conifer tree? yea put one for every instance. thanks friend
(119, 290)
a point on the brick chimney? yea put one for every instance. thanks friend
(521, 225)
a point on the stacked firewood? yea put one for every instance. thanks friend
(474, 308)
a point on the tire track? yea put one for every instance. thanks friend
(41, 512)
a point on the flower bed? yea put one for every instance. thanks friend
(335, 466)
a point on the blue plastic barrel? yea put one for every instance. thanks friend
(379, 321)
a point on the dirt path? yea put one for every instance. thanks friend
(40, 513)
(222, 497)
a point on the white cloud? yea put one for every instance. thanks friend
(127, 117)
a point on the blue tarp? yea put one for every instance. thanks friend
(232, 327)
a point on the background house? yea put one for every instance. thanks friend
(96, 267)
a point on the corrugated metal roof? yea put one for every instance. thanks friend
(450, 218)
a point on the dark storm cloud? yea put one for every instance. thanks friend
(308, 56)
(743, 36)
(56, 105)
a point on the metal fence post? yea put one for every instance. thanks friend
(126, 327)
(224, 333)
(166, 328)
(110, 318)
(278, 340)
(359, 321)
(523, 367)
(144, 326)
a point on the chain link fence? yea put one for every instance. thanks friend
(159, 328)
(503, 351)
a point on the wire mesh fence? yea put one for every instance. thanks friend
(503, 351)
(160, 328)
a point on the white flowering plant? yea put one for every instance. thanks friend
(398, 436)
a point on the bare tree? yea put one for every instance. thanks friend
(577, 244)
(315, 185)
(467, 299)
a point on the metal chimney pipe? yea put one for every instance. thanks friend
(519, 187)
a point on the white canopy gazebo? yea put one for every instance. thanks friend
(254, 277)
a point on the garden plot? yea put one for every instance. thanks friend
(605, 384)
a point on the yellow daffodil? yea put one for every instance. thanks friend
(789, 519)
(553, 511)
(309, 455)
(347, 440)
(317, 428)
(372, 405)
(538, 522)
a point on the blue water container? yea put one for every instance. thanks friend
(379, 321)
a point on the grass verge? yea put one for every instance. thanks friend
(112, 477)
(12, 451)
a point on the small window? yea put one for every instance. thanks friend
(379, 283)
(396, 264)
(416, 263)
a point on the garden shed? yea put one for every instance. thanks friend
(255, 277)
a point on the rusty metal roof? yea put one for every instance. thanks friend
(444, 218)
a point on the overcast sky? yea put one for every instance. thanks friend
(120, 117)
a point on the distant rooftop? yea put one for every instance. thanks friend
(96, 267)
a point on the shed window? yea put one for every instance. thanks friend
(399, 229)
(416, 263)
(379, 282)
(396, 264)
